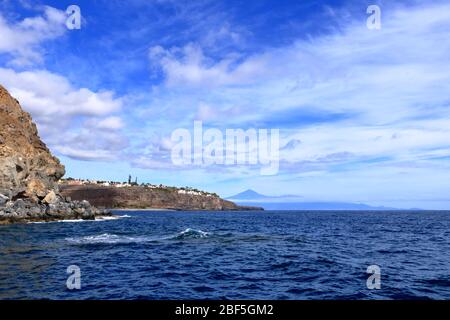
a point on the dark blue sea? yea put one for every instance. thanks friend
(230, 255)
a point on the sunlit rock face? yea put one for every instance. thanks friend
(27, 168)
(29, 173)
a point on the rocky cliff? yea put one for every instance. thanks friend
(29, 172)
(140, 197)
(27, 168)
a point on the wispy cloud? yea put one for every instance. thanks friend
(349, 86)
(76, 122)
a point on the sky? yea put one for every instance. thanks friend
(363, 114)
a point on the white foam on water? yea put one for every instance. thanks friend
(98, 219)
(111, 218)
(107, 238)
(192, 233)
(72, 220)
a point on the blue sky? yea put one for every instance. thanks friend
(363, 114)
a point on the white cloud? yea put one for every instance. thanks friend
(75, 122)
(189, 66)
(110, 123)
(22, 39)
(46, 94)
(396, 143)
(383, 81)
(389, 85)
(85, 155)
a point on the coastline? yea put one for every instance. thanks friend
(11, 221)
(142, 197)
(140, 209)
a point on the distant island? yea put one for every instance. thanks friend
(295, 202)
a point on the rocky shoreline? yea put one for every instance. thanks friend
(58, 208)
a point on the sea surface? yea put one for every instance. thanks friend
(230, 255)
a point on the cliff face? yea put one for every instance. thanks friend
(27, 168)
(29, 172)
(138, 197)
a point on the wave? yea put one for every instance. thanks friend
(191, 234)
(107, 218)
(97, 219)
(102, 238)
(108, 238)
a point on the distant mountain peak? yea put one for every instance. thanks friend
(252, 195)
(248, 194)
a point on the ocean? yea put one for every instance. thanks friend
(230, 255)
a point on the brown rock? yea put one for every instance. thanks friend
(50, 198)
(27, 168)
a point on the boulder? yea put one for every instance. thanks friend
(3, 200)
(50, 198)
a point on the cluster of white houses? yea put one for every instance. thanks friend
(81, 182)
(183, 190)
